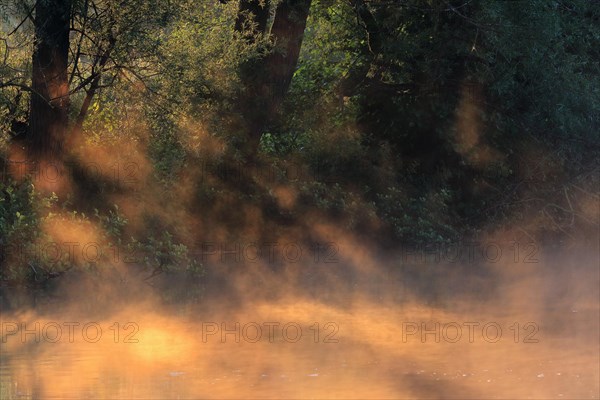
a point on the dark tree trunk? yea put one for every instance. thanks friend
(267, 80)
(288, 33)
(49, 107)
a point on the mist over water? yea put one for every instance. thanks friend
(403, 325)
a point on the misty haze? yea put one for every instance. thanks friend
(294, 199)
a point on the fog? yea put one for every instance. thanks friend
(404, 324)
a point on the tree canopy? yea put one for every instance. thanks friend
(416, 121)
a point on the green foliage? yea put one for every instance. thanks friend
(31, 255)
(200, 54)
(549, 85)
(380, 104)
(418, 220)
(283, 143)
(325, 197)
(19, 218)
(165, 150)
(399, 80)
(162, 254)
(113, 222)
(328, 51)
(22, 212)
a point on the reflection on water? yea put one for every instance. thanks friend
(373, 348)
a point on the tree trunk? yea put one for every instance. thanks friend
(49, 106)
(267, 80)
(288, 33)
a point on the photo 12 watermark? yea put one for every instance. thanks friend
(67, 332)
(470, 332)
(54, 252)
(268, 252)
(269, 331)
(124, 172)
(471, 252)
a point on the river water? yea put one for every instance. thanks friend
(534, 335)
